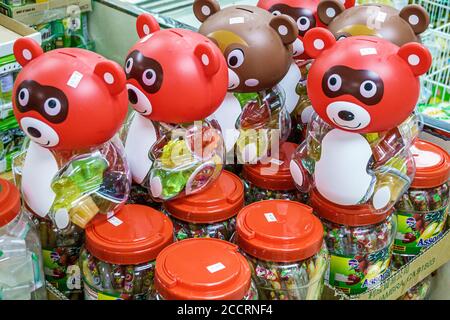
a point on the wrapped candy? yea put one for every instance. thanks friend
(272, 179)
(354, 154)
(203, 269)
(118, 261)
(210, 213)
(258, 52)
(360, 244)
(293, 266)
(172, 151)
(21, 270)
(73, 167)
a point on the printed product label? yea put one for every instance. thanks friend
(91, 293)
(61, 269)
(356, 274)
(418, 231)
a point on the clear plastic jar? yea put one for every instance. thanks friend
(360, 244)
(118, 261)
(272, 179)
(422, 211)
(203, 269)
(21, 270)
(283, 242)
(60, 252)
(211, 213)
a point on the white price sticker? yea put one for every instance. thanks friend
(115, 221)
(367, 51)
(236, 20)
(75, 79)
(215, 267)
(270, 217)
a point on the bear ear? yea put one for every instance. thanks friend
(208, 57)
(112, 75)
(286, 28)
(416, 56)
(318, 40)
(327, 10)
(203, 9)
(416, 16)
(25, 50)
(146, 24)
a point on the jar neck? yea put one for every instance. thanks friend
(17, 228)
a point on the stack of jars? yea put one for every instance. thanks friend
(210, 213)
(422, 211)
(272, 179)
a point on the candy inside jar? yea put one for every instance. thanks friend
(360, 244)
(21, 269)
(118, 261)
(210, 213)
(186, 159)
(422, 210)
(203, 269)
(264, 121)
(283, 242)
(272, 179)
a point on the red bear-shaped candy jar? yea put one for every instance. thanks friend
(70, 103)
(175, 79)
(363, 90)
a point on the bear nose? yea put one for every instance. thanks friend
(132, 96)
(346, 115)
(34, 132)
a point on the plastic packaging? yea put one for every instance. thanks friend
(70, 174)
(283, 242)
(181, 153)
(118, 261)
(375, 179)
(21, 270)
(272, 179)
(354, 154)
(259, 57)
(360, 244)
(210, 213)
(203, 269)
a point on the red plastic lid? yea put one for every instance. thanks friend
(432, 165)
(357, 215)
(274, 175)
(9, 202)
(279, 230)
(134, 235)
(202, 269)
(220, 201)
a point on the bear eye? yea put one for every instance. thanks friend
(149, 77)
(334, 82)
(235, 58)
(341, 37)
(24, 96)
(276, 13)
(368, 89)
(52, 106)
(303, 23)
(129, 65)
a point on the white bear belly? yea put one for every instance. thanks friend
(140, 139)
(38, 171)
(226, 115)
(289, 84)
(340, 174)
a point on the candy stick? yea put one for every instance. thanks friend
(118, 277)
(137, 281)
(43, 234)
(315, 282)
(129, 277)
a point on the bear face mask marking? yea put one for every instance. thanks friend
(146, 71)
(303, 17)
